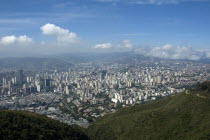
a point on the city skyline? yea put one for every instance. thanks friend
(177, 29)
(85, 92)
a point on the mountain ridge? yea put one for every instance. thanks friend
(180, 116)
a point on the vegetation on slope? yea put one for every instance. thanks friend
(177, 117)
(26, 125)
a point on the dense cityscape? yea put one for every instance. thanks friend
(88, 91)
(104, 70)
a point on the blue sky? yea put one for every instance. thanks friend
(142, 23)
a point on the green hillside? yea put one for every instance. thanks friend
(184, 116)
(22, 125)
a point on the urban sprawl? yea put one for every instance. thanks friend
(88, 91)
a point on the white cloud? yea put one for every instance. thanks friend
(24, 39)
(124, 44)
(157, 2)
(127, 44)
(103, 46)
(162, 2)
(175, 52)
(62, 35)
(151, 2)
(208, 54)
(9, 40)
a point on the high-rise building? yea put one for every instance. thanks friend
(159, 79)
(47, 82)
(20, 77)
(4, 81)
(38, 88)
(28, 79)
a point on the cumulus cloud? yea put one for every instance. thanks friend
(174, 52)
(9, 40)
(103, 45)
(125, 44)
(62, 35)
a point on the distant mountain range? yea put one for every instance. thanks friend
(184, 116)
(33, 63)
(117, 57)
(64, 61)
